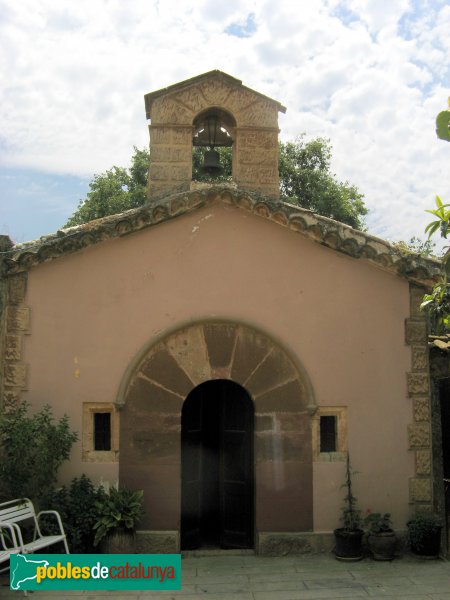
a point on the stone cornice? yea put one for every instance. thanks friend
(322, 230)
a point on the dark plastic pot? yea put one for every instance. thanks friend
(382, 545)
(429, 546)
(348, 544)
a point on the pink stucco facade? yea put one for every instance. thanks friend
(341, 319)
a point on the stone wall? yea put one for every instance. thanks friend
(14, 325)
(418, 385)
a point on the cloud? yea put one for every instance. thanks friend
(369, 75)
(374, 14)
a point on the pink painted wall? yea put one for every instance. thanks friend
(343, 319)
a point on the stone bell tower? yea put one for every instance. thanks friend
(181, 115)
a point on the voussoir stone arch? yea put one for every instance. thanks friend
(152, 397)
(200, 352)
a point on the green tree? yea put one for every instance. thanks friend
(305, 179)
(114, 191)
(33, 447)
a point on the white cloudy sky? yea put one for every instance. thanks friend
(369, 74)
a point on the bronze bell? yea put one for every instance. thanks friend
(212, 164)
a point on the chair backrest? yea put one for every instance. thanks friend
(17, 510)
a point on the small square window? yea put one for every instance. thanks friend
(102, 430)
(328, 433)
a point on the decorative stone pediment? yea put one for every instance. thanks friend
(254, 132)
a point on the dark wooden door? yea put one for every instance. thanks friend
(217, 467)
(191, 466)
(236, 469)
(444, 397)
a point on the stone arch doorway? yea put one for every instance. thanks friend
(217, 469)
(151, 399)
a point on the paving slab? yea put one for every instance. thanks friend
(320, 577)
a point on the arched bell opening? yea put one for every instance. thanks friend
(217, 467)
(212, 145)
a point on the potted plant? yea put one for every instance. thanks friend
(349, 537)
(381, 538)
(424, 535)
(118, 513)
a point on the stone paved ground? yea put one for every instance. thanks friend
(290, 578)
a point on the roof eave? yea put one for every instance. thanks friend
(327, 232)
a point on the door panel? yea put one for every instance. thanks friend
(191, 465)
(444, 397)
(217, 467)
(237, 469)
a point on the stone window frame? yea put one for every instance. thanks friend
(89, 454)
(340, 412)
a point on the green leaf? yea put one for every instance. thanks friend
(443, 125)
(425, 304)
(432, 228)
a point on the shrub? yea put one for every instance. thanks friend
(378, 522)
(77, 505)
(420, 527)
(121, 509)
(33, 447)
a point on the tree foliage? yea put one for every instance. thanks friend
(441, 223)
(443, 124)
(33, 447)
(305, 179)
(437, 303)
(77, 505)
(114, 191)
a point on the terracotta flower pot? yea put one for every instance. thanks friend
(382, 545)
